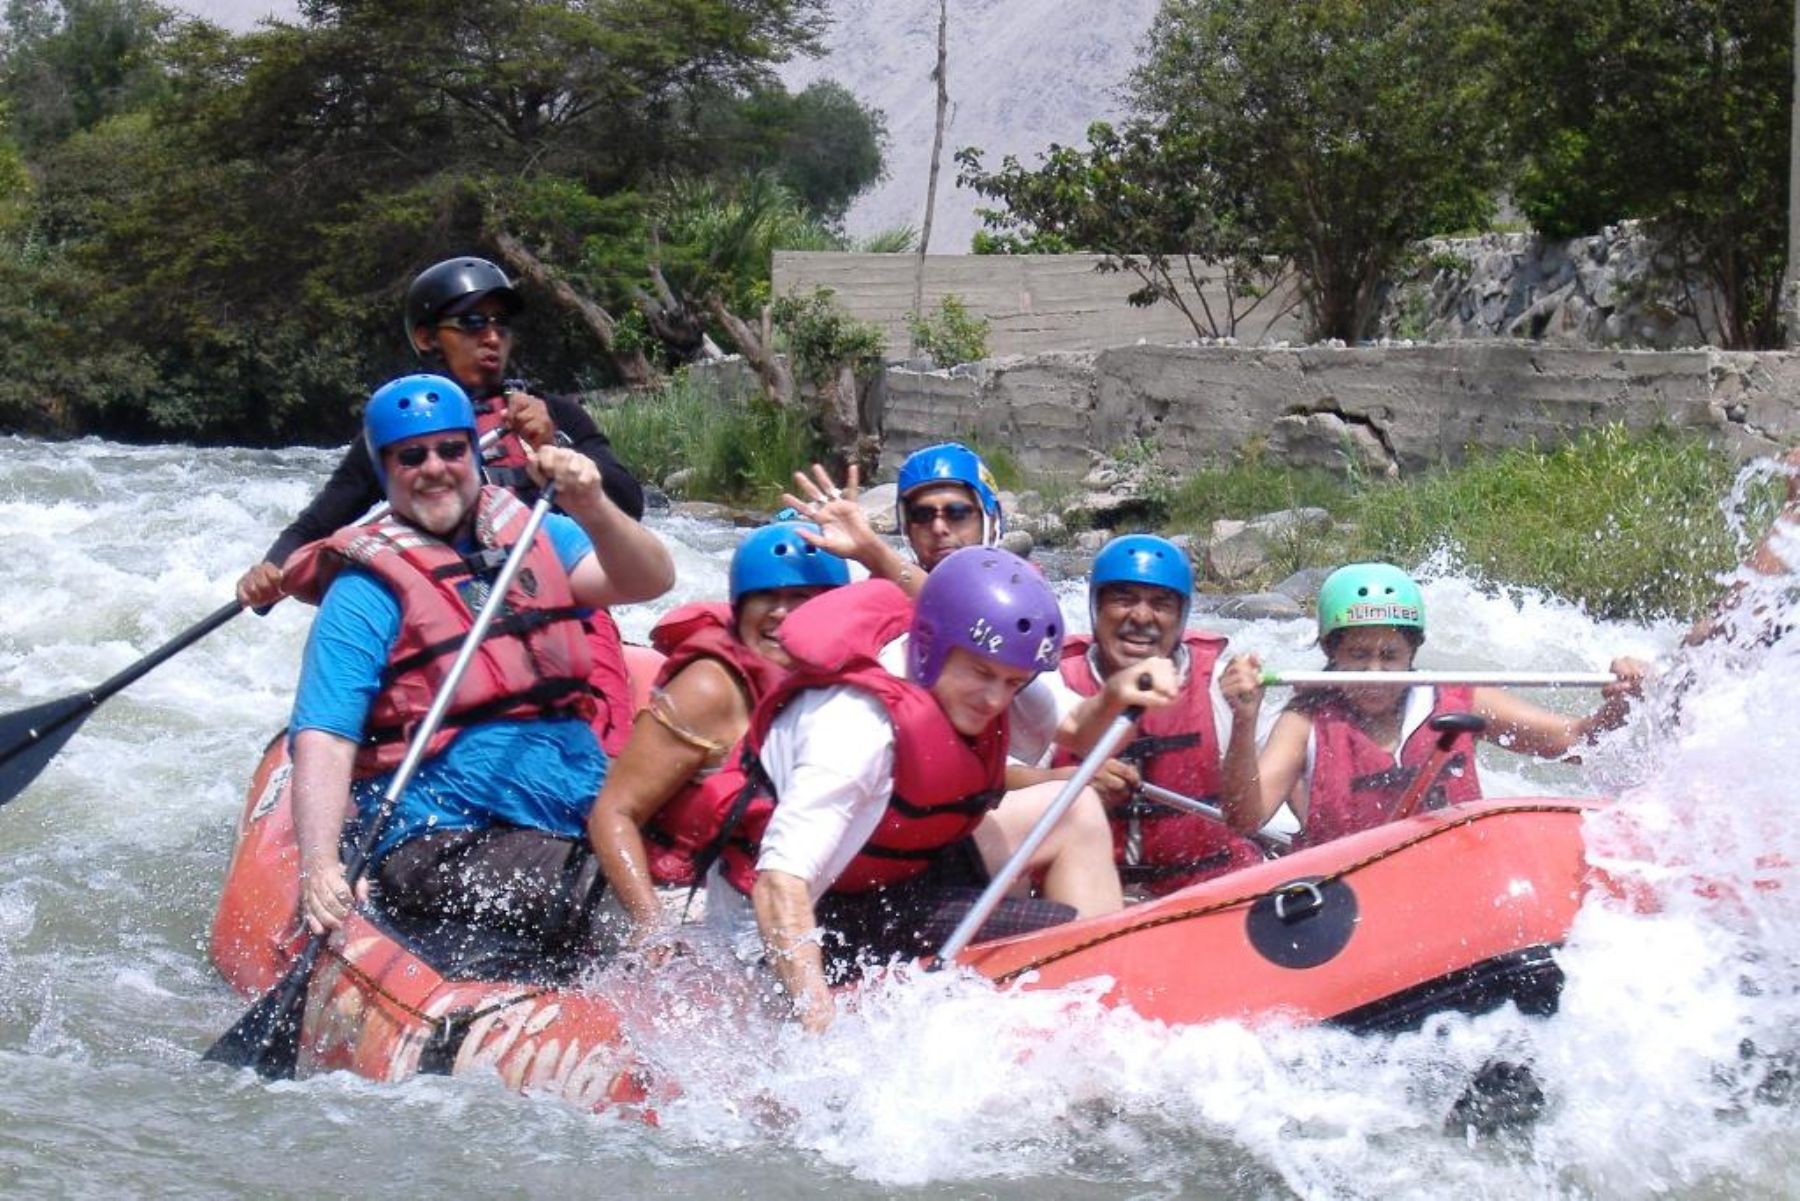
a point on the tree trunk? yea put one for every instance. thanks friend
(838, 415)
(770, 368)
(937, 150)
(633, 368)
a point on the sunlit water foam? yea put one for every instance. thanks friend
(113, 860)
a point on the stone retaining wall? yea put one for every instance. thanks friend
(1395, 408)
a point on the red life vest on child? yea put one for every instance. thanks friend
(1356, 785)
(1176, 748)
(943, 783)
(533, 662)
(503, 463)
(688, 822)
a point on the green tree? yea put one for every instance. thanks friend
(1149, 201)
(1339, 131)
(240, 222)
(1674, 111)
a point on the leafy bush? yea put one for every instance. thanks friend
(951, 335)
(820, 335)
(741, 448)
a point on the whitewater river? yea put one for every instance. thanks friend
(1664, 1072)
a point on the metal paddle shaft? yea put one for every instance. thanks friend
(1187, 804)
(1010, 871)
(267, 1038)
(1515, 679)
(31, 737)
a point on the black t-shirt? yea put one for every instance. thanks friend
(354, 489)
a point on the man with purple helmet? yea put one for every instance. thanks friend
(947, 499)
(872, 794)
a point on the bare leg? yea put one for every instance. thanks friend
(1076, 859)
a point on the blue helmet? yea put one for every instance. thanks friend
(953, 463)
(413, 405)
(1141, 559)
(776, 556)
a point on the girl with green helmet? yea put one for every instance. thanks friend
(1351, 758)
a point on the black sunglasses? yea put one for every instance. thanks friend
(448, 451)
(475, 323)
(956, 512)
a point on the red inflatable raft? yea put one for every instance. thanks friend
(1456, 909)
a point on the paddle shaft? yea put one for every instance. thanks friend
(1187, 804)
(267, 1037)
(86, 703)
(45, 727)
(1516, 679)
(1011, 870)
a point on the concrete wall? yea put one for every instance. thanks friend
(1394, 408)
(1035, 303)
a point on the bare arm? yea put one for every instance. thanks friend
(629, 562)
(1253, 784)
(790, 930)
(321, 784)
(1521, 726)
(703, 705)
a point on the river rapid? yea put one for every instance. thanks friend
(1666, 1073)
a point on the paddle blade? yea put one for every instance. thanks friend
(30, 738)
(267, 1038)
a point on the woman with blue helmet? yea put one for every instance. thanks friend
(947, 499)
(1346, 758)
(650, 822)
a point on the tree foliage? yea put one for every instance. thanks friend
(1338, 131)
(245, 211)
(1148, 200)
(1674, 111)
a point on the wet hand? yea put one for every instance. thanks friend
(844, 528)
(576, 477)
(326, 897)
(1116, 782)
(529, 417)
(1151, 683)
(259, 587)
(1242, 686)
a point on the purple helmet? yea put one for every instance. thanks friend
(988, 601)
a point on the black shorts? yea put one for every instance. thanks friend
(913, 918)
(502, 893)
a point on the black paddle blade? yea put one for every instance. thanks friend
(30, 738)
(267, 1038)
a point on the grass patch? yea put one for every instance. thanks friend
(741, 448)
(1251, 487)
(1629, 526)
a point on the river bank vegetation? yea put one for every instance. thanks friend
(1629, 525)
(206, 235)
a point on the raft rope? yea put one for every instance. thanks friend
(1182, 915)
(444, 1027)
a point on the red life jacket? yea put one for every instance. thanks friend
(1177, 748)
(1356, 784)
(943, 783)
(503, 464)
(533, 661)
(690, 820)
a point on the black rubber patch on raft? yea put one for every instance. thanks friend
(1302, 923)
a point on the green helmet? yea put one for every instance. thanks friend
(1370, 594)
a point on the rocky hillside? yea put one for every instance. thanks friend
(1022, 74)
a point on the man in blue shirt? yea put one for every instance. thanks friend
(490, 831)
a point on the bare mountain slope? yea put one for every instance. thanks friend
(1022, 74)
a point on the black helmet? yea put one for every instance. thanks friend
(455, 284)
